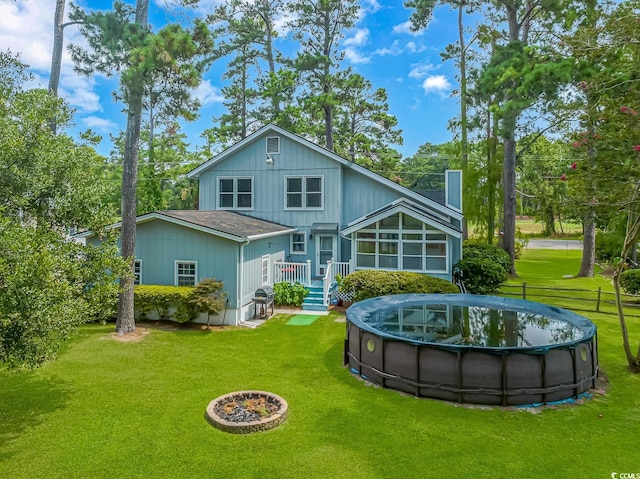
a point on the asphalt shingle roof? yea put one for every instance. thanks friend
(228, 222)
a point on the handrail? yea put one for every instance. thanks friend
(333, 269)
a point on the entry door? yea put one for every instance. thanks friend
(325, 250)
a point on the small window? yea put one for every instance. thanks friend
(235, 193)
(265, 269)
(299, 243)
(186, 273)
(137, 272)
(273, 145)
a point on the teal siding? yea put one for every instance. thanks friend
(362, 195)
(159, 244)
(269, 181)
(454, 189)
(275, 248)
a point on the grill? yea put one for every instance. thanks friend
(262, 299)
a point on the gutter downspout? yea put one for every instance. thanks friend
(240, 282)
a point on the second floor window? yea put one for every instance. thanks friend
(236, 193)
(304, 192)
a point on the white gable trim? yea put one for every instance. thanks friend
(365, 221)
(195, 173)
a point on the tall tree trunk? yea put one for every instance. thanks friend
(463, 112)
(126, 318)
(509, 189)
(56, 56)
(509, 124)
(588, 246)
(631, 238)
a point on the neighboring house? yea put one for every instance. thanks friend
(276, 207)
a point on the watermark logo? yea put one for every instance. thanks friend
(625, 475)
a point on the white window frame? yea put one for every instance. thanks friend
(137, 272)
(265, 267)
(235, 193)
(376, 230)
(177, 276)
(304, 243)
(304, 192)
(271, 152)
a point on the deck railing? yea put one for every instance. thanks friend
(333, 269)
(292, 272)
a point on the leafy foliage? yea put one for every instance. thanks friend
(208, 297)
(49, 283)
(483, 267)
(372, 283)
(289, 294)
(630, 281)
(608, 245)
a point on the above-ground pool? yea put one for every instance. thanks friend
(472, 349)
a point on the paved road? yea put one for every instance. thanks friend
(554, 244)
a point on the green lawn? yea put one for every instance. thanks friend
(110, 409)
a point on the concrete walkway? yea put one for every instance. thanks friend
(554, 244)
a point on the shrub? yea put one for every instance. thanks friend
(483, 267)
(207, 297)
(630, 281)
(372, 283)
(289, 294)
(608, 246)
(158, 299)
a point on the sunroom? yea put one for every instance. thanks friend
(406, 237)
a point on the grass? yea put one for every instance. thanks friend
(111, 409)
(533, 228)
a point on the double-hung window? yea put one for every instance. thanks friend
(137, 272)
(235, 193)
(304, 192)
(299, 243)
(186, 273)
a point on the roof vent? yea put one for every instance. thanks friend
(273, 145)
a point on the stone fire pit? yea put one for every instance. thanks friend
(244, 412)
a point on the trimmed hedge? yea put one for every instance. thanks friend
(630, 281)
(483, 267)
(158, 299)
(372, 283)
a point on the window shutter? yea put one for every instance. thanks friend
(273, 145)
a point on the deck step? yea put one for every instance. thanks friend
(314, 301)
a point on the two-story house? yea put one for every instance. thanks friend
(276, 206)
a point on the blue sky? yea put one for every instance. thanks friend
(380, 47)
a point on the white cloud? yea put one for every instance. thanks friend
(405, 28)
(421, 70)
(207, 94)
(393, 50)
(413, 48)
(354, 57)
(102, 125)
(26, 28)
(436, 83)
(360, 37)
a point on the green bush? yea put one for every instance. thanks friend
(288, 294)
(207, 297)
(372, 283)
(608, 246)
(630, 281)
(158, 299)
(483, 267)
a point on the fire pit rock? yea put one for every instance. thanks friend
(245, 412)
